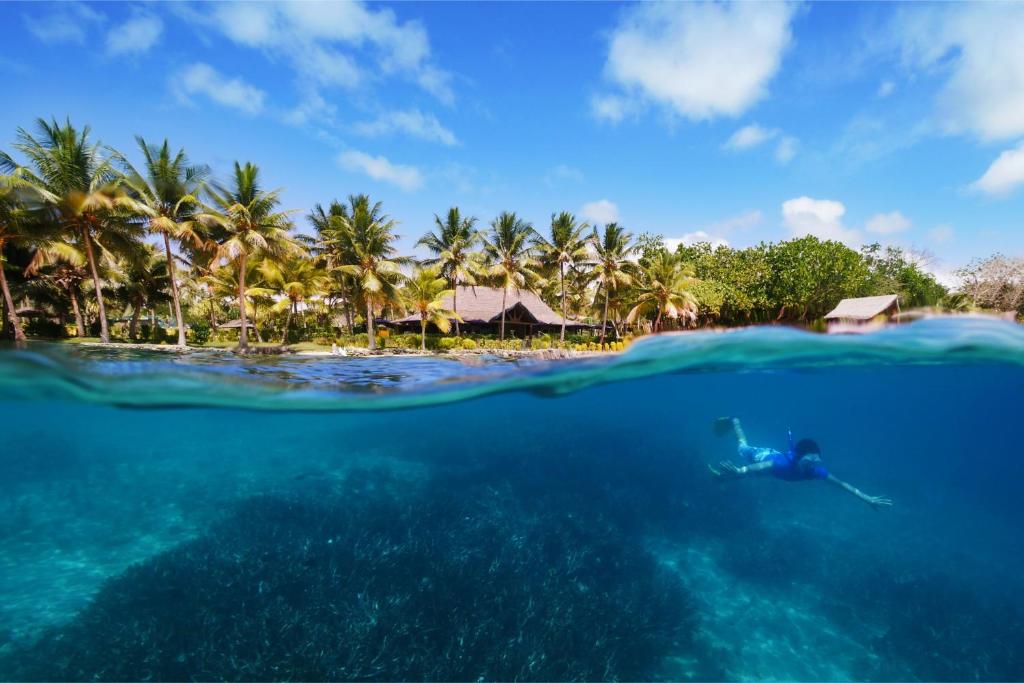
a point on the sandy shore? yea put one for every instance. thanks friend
(359, 352)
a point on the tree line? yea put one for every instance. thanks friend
(83, 229)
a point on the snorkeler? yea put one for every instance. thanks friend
(801, 462)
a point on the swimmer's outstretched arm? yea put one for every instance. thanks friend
(728, 469)
(874, 501)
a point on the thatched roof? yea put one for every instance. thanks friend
(483, 305)
(862, 308)
(235, 325)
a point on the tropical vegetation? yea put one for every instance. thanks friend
(163, 251)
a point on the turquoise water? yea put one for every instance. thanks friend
(208, 517)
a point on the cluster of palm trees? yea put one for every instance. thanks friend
(80, 215)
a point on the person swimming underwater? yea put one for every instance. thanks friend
(802, 462)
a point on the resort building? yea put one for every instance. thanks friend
(480, 309)
(862, 314)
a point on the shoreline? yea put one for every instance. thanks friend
(350, 351)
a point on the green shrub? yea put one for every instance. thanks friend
(200, 333)
(469, 344)
(449, 343)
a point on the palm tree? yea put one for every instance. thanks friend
(425, 293)
(612, 265)
(144, 275)
(225, 282)
(327, 247)
(14, 230)
(510, 255)
(249, 227)
(452, 245)
(566, 248)
(361, 239)
(665, 289)
(78, 182)
(295, 279)
(170, 189)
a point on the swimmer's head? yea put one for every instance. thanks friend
(806, 448)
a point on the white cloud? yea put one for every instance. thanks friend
(699, 60)
(941, 234)
(335, 44)
(980, 48)
(1004, 175)
(691, 238)
(203, 79)
(885, 88)
(69, 23)
(137, 34)
(887, 223)
(750, 136)
(822, 218)
(379, 168)
(609, 108)
(786, 149)
(563, 173)
(411, 122)
(744, 221)
(753, 135)
(601, 211)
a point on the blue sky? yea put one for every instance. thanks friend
(862, 122)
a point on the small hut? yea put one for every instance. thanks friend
(480, 310)
(863, 314)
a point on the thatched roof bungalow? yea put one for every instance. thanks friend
(480, 310)
(862, 313)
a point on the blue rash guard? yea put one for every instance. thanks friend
(785, 466)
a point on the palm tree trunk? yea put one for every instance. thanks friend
(423, 334)
(561, 280)
(79, 321)
(174, 292)
(287, 324)
(152, 325)
(104, 331)
(243, 332)
(12, 314)
(455, 307)
(604, 317)
(657, 322)
(504, 293)
(370, 339)
(256, 322)
(133, 327)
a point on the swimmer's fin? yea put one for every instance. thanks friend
(723, 426)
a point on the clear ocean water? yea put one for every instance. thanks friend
(211, 517)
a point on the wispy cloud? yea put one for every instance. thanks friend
(411, 122)
(334, 44)
(203, 79)
(380, 168)
(754, 135)
(600, 211)
(979, 48)
(563, 173)
(887, 223)
(699, 60)
(136, 35)
(1005, 174)
(67, 23)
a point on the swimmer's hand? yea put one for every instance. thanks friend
(727, 469)
(878, 502)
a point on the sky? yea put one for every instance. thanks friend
(894, 123)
